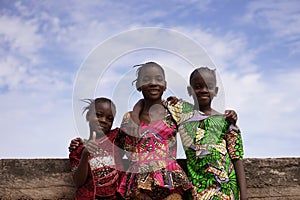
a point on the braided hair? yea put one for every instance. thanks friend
(92, 102)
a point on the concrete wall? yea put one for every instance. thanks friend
(276, 179)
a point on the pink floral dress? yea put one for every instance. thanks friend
(153, 172)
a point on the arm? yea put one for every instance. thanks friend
(241, 178)
(131, 121)
(178, 108)
(231, 116)
(235, 149)
(137, 109)
(81, 173)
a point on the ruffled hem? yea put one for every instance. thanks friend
(154, 183)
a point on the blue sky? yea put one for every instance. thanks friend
(45, 46)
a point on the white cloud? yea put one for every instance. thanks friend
(20, 36)
(35, 40)
(267, 108)
(280, 18)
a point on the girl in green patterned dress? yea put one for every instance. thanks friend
(213, 145)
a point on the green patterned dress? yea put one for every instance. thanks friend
(210, 145)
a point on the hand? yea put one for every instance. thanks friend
(173, 100)
(231, 116)
(75, 143)
(91, 146)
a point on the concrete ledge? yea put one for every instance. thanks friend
(271, 178)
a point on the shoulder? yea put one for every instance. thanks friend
(115, 130)
(114, 133)
(181, 106)
(126, 119)
(127, 115)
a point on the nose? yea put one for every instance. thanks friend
(102, 120)
(204, 89)
(153, 81)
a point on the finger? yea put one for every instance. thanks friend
(92, 147)
(80, 140)
(77, 140)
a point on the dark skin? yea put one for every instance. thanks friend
(100, 123)
(141, 110)
(203, 89)
(150, 109)
(203, 92)
(152, 84)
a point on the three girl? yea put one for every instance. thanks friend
(212, 144)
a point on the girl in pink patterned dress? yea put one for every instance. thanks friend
(96, 163)
(153, 172)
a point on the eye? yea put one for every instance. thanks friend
(99, 115)
(197, 87)
(110, 118)
(146, 79)
(210, 86)
(159, 79)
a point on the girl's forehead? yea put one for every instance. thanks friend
(203, 79)
(104, 106)
(151, 70)
(204, 75)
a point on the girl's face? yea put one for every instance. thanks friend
(151, 82)
(203, 88)
(101, 119)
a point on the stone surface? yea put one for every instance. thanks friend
(272, 178)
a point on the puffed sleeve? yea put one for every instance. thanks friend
(181, 111)
(234, 143)
(130, 137)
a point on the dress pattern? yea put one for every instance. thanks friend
(153, 172)
(210, 145)
(105, 169)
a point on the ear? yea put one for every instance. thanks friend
(165, 85)
(138, 88)
(216, 91)
(189, 90)
(87, 116)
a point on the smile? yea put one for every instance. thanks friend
(154, 91)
